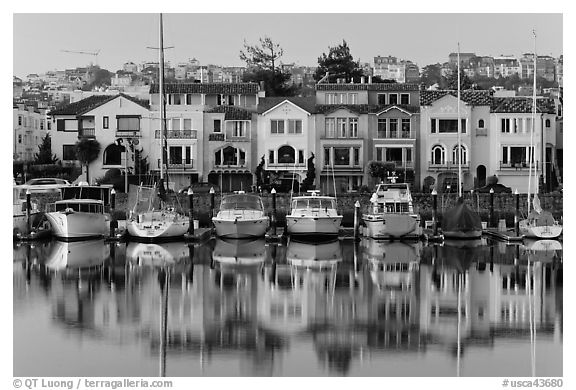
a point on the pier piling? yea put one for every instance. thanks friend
(212, 203)
(113, 222)
(435, 211)
(357, 221)
(517, 213)
(191, 210)
(28, 208)
(273, 222)
(491, 221)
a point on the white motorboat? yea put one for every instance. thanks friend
(241, 216)
(81, 213)
(150, 221)
(391, 214)
(313, 215)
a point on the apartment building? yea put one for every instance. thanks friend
(30, 126)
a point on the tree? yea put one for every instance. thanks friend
(451, 81)
(308, 181)
(380, 80)
(339, 63)
(260, 173)
(262, 59)
(87, 150)
(44, 155)
(431, 74)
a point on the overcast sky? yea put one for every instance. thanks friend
(218, 38)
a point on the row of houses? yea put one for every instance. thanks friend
(220, 133)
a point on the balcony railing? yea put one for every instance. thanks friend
(228, 136)
(481, 132)
(285, 166)
(87, 132)
(400, 164)
(179, 165)
(519, 165)
(177, 134)
(330, 135)
(216, 137)
(231, 164)
(448, 165)
(128, 133)
(396, 134)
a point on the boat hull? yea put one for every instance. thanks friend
(158, 230)
(307, 225)
(77, 225)
(391, 226)
(462, 235)
(240, 228)
(540, 232)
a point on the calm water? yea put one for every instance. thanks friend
(248, 308)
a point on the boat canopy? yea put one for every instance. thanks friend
(87, 192)
(80, 205)
(241, 202)
(313, 202)
(461, 218)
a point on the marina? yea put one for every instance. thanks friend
(253, 308)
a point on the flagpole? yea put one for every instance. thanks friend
(459, 152)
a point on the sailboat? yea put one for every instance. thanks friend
(460, 222)
(539, 223)
(157, 222)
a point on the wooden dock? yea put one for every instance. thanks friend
(508, 235)
(199, 235)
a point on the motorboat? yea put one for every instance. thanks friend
(391, 214)
(313, 215)
(241, 215)
(81, 213)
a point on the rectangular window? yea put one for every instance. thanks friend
(393, 98)
(353, 127)
(356, 156)
(188, 150)
(105, 122)
(405, 128)
(277, 126)
(450, 126)
(218, 158)
(270, 157)
(49, 124)
(176, 99)
(352, 98)
(394, 155)
(393, 128)
(230, 100)
(294, 126)
(175, 154)
(242, 157)
(327, 156)
(330, 98)
(41, 124)
(505, 155)
(19, 120)
(217, 125)
(187, 124)
(330, 128)
(404, 98)
(505, 125)
(341, 126)
(381, 98)
(19, 138)
(379, 154)
(175, 122)
(188, 98)
(341, 156)
(68, 153)
(128, 123)
(238, 129)
(433, 125)
(341, 98)
(300, 157)
(408, 155)
(381, 128)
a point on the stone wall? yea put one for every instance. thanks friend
(504, 205)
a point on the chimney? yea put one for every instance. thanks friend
(362, 80)
(369, 79)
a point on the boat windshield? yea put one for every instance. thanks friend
(241, 202)
(80, 207)
(313, 203)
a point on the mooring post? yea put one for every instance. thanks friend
(357, 220)
(212, 205)
(435, 211)
(273, 192)
(112, 214)
(491, 222)
(191, 208)
(28, 208)
(517, 213)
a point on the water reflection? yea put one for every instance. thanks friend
(247, 307)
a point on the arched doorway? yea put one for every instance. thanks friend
(481, 176)
(113, 154)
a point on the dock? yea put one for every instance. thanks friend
(199, 235)
(508, 235)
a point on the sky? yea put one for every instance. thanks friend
(38, 39)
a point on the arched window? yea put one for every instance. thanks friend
(286, 155)
(438, 155)
(481, 123)
(463, 154)
(547, 122)
(230, 156)
(113, 154)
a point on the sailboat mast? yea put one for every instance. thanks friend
(162, 100)
(459, 153)
(531, 149)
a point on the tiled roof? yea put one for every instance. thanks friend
(357, 108)
(367, 87)
(85, 105)
(232, 113)
(522, 105)
(469, 96)
(208, 88)
(308, 104)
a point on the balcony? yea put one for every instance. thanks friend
(177, 134)
(285, 166)
(444, 166)
(231, 165)
(518, 166)
(481, 132)
(128, 134)
(179, 165)
(87, 132)
(228, 136)
(396, 134)
(216, 137)
(400, 164)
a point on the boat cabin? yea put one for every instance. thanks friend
(393, 198)
(241, 201)
(78, 205)
(101, 193)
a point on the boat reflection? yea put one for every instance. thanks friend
(77, 255)
(239, 252)
(314, 255)
(542, 250)
(156, 255)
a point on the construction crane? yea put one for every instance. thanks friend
(91, 53)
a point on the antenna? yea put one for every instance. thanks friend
(459, 152)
